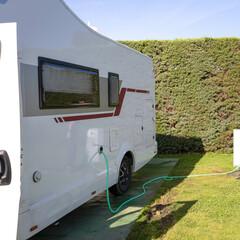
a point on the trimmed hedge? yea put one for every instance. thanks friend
(197, 91)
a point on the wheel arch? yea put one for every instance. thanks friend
(130, 155)
(126, 149)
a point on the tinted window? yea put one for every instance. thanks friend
(64, 85)
(113, 89)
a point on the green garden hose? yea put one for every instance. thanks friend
(166, 178)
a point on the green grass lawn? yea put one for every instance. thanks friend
(193, 208)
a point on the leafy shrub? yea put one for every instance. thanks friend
(197, 85)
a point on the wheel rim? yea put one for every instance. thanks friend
(124, 175)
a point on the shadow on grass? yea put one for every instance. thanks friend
(162, 213)
(160, 219)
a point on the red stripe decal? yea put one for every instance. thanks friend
(121, 98)
(102, 115)
(85, 117)
(131, 90)
(141, 91)
(60, 119)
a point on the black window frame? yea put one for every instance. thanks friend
(42, 105)
(110, 74)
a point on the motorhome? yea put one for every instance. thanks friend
(67, 92)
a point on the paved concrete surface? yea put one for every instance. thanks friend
(93, 220)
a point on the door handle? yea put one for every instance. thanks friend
(5, 168)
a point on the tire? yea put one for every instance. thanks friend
(124, 178)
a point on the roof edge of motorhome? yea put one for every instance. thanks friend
(98, 34)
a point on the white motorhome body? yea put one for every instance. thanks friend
(66, 91)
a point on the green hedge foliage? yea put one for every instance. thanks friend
(197, 91)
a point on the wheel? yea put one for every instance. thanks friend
(124, 178)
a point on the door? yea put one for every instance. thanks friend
(9, 132)
(149, 122)
(138, 130)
